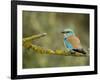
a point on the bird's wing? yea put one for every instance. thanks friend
(67, 44)
(75, 42)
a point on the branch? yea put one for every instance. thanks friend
(27, 44)
(34, 37)
(42, 50)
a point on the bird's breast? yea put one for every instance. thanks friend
(74, 41)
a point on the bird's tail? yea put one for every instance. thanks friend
(80, 51)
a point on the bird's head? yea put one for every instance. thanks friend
(68, 32)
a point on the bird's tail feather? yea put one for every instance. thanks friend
(80, 51)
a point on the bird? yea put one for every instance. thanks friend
(72, 42)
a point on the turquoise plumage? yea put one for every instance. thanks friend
(67, 44)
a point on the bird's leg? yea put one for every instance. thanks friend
(72, 51)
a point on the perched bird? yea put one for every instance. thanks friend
(72, 42)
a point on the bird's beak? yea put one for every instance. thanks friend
(63, 32)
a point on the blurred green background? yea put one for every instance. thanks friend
(53, 23)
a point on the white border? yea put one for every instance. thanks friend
(21, 71)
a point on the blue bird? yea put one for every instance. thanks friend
(72, 42)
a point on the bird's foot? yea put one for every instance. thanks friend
(72, 51)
